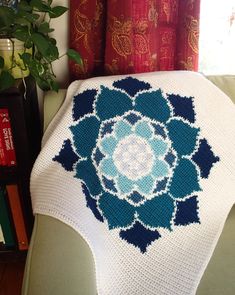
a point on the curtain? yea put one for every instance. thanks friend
(133, 36)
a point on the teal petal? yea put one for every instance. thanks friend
(122, 129)
(118, 213)
(158, 146)
(108, 168)
(87, 172)
(160, 169)
(183, 136)
(145, 184)
(153, 105)
(143, 129)
(108, 145)
(111, 103)
(157, 212)
(85, 141)
(185, 179)
(124, 184)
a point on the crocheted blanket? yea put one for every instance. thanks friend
(142, 166)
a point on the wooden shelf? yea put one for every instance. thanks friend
(22, 105)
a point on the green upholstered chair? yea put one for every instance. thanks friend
(60, 262)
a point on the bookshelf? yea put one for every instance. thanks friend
(20, 139)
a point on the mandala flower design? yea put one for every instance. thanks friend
(140, 157)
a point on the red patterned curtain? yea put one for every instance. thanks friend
(133, 36)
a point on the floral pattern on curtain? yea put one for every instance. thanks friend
(133, 36)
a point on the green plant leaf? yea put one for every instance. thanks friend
(41, 43)
(7, 16)
(43, 84)
(28, 43)
(40, 5)
(31, 17)
(1, 62)
(57, 11)
(21, 33)
(54, 85)
(6, 80)
(52, 52)
(23, 5)
(45, 28)
(74, 55)
(53, 41)
(26, 57)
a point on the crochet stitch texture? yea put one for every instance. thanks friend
(137, 152)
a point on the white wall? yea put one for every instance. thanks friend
(61, 35)
(61, 66)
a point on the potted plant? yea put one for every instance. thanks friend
(25, 33)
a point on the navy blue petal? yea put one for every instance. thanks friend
(183, 107)
(107, 128)
(67, 157)
(83, 103)
(132, 118)
(159, 130)
(135, 197)
(170, 158)
(131, 85)
(139, 236)
(98, 156)
(161, 185)
(109, 184)
(92, 203)
(187, 211)
(205, 158)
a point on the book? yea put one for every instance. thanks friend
(17, 215)
(1, 235)
(7, 150)
(7, 227)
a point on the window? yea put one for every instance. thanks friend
(217, 37)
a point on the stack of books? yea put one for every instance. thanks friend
(20, 137)
(13, 231)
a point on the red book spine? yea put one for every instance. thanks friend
(6, 138)
(17, 214)
(3, 160)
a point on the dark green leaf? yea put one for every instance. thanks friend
(54, 85)
(74, 55)
(6, 80)
(28, 43)
(22, 21)
(21, 33)
(26, 57)
(57, 11)
(29, 16)
(52, 52)
(43, 84)
(36, 69)
(23, 5)
(1, 63)
(53, 41)
(41, 43)
(40, 5)
(45, 28)
(7, 16)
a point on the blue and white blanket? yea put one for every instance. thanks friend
(143, 167)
